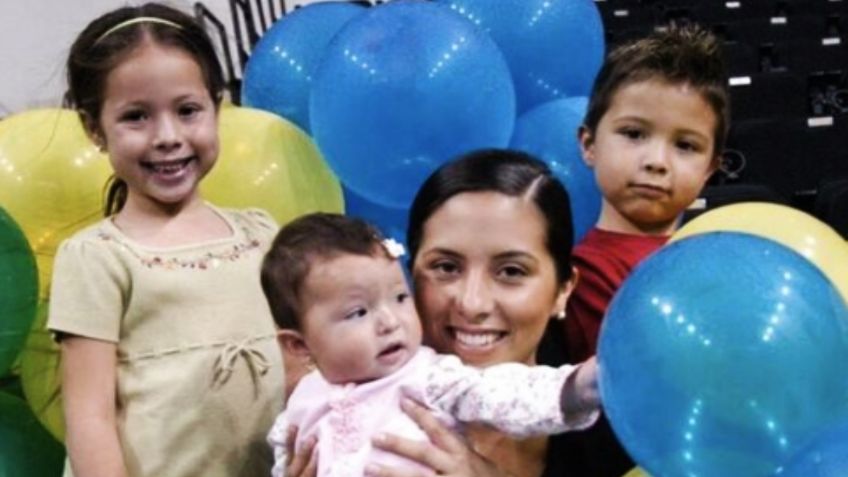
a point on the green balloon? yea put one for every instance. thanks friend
(26, 448)
(18, 290)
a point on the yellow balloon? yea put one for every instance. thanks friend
(51, 180)
(636, 472)
(267, 162)
(792, 228)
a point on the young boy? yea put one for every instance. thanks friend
(653, 133)
(337, 292)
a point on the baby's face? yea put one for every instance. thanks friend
(359, 321)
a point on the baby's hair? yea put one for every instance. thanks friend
(302, 243)
(679, 55)
(109, 39)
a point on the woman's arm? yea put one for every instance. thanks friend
(447, 454)
(89, 376)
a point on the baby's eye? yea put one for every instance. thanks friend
(402, 297)
(356, 313)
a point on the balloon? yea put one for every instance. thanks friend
(549, 132)
(403, 88)
(267, 162)
(25, 447)
(52, 180)
(719, 356)
(278, 74)
(391, 221)
(636, 472)
(801, 232)
(18, 290)
(825, 456)
(554, 48)
(41, 376)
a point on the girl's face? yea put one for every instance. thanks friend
(485, 283)
(160, 125)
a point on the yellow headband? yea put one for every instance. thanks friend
(133, 21)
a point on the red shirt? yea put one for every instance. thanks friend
(604, 260)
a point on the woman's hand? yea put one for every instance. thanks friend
(446, 453)
(302, 463)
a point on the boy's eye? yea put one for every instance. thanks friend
(356, 313)
(632, 133)
(688, 146)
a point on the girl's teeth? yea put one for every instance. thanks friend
(476, 339)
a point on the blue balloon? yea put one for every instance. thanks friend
(549, 132)
(278, 75)
(554, 47)
(825, 456)
(721, 356)
(402, 89)
(391, 221)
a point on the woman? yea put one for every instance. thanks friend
(490, 238)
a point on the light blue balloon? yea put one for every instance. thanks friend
(549, 132)
(825, 456)
(554, 47)
(402, 89)
(721, 356)
(278, 75)
(391, 221)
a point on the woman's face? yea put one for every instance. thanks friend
(485, 284)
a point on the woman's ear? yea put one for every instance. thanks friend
(564, 292)
(587, 145)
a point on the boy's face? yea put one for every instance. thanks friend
(652, 153)
(359, 321)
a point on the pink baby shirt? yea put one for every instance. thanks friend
(517, 399)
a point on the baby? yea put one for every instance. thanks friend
(338, 294)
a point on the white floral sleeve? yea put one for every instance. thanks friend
(517, 399)
(277, 440)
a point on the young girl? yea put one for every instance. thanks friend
(338, 294)
(169, 361)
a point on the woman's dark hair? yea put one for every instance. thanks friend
(508, 172)
(107, 41)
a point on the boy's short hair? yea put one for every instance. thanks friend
(685, 54)
(296, 248)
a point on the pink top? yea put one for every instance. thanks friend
(517, 399)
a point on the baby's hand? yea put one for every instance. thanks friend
(580, 393)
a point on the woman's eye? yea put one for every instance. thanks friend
(357, 313)
(512, 272)
(445, 267)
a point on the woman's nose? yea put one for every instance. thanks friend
(475, 296)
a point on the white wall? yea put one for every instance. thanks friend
(35, 36)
